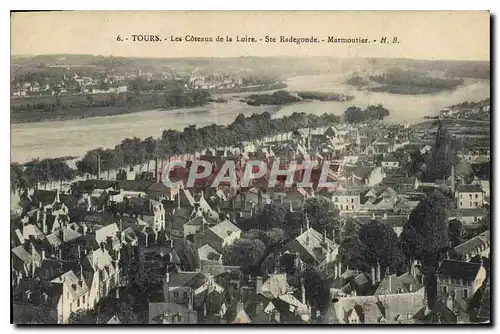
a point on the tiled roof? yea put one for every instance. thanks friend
(481, 240)
(53, 240)
(224, 229)
(470, 188)
(311, 241)
(375, 308)
(205, 251)
(76, 286)
(46, 197)
(390, 285)
(410, 282)
(67, 234)
(275, 286)
(186, 278)
(474, 212)
(458, 269)
(158, 310)
(23, 254)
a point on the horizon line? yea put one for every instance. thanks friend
(246, 56)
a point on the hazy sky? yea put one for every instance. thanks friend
(422, 35)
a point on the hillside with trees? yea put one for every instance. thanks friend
(371, 113)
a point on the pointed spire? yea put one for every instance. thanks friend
(307, 221)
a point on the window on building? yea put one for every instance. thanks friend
(83, 300)
(461, 204)
(477, 196)
(71, 307)
(470, 195)
(185, 295)
(470, 203)
(352, 200)
(341, 207)
(353, 207)
(176, 295)
(476, 204)
(336, 199)
(445, 289)
(466, 293)
(78, 302)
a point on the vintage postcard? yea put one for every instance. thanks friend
(250, 167)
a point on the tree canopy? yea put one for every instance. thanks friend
(245, 253)
(371, 113)
(322, 214)
(426, 232)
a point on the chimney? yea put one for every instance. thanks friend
(333, 234)
(298, 265)
(303, 291)
(258, 284)
(390, 282)
(190, 301)
(449, 302)
(373, 276)
(324, 236)
(378, 272)
(98, 167)
(81, 272)
(91, 255)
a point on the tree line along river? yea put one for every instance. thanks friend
(76, 137)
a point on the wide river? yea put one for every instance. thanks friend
(75, 137)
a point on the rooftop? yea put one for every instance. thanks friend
(458, 269)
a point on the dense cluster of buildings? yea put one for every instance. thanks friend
(73, 250)
(214, 82)
(70, 84)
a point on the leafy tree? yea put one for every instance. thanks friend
(317, 292)
(352, 253)
(152, 148)
(349, 227)
(380, 246)
(322, 214)
(425, 234)
(18, 178)
(443, 155)
(372, 112)
(254, 234)
(294, 221)
(244, 253)
(274, 237)
(486, 222)
(270, 216)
